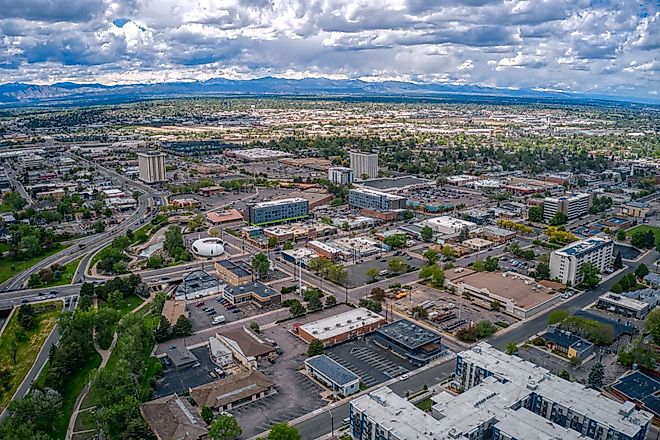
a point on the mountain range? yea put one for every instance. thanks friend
(69, 93)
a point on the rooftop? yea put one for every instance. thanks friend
(247, 342)
(280, 202)
(373, 192)
(339, 374)
(259, 289)
(583, 246)
(238, 269)
(395, 183)
(231, 389)
(639, 386)
(342, 323)
(196, 281)
(409, 334)
(173, 417)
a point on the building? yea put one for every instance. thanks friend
(341, 175)
(315, 197)
(174, 418)
(461, 179)
(410, 341)
(233, 391)
(340, 328)
(234, 273)
(198, 284)
(397, 184)
(277, 211)
(257, 154)
(565, 263)
(637, 209)
(571, 205)
(208, 247)
(640, 388)
(246, 347)
(449, 225)
(567, 343)
(220, 354)
(195, 148)
(371, 199)
(504, 398)
(324, 250)
(224, 217)
(181, 357)
(634, 304)
(338, 378)
(152, 167)
(518, 294)
(364, 164)
(258, 294)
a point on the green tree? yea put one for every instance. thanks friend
(288, 245)
(652, 324)
(511, 348)
(372, 273)
(272, 242)
(564, 375)
(183, 326)
(225, 427)
(282, 431)
(426, 233)
(207, 414)
(621, 234)
(378, 294)
(99, 226)
(542, 271)
(371, 304)
(557, 316)
(433, 274)
(173, 241)
(261, 265)
(618, 262)
(254, 326)
(431, 256)
(535, 214)
(558, 219)
(26, 317)
(641, 271)
(397, 265)
(596, 376)
(330, 301)
(590, 275)
(395, 241)
(314, 302)
(297, 309)
(315, 348)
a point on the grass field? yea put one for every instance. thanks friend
(67, 275)
(127, 304)
(644, 228)
(28, 347)
(10, 267)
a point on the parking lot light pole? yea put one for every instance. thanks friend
(332, 424)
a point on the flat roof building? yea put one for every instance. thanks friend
(198, 284)
(341, 175)
(338, 378)
(277, 211)
(257, 293)
(152, 167)
(409, 340)
(565, 263)
(571, 205)
(397, 184)
(340, 328)
(626, 306)
(364, 164)
(449, 225)
(234, 272)
(366, 198)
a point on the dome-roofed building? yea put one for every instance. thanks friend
(208, 247)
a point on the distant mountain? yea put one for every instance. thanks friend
(68, 93)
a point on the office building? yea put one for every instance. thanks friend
(198, 284)
(505, 398)
(237, 389)
(565, 263)
(446, 225)
(335, 376)
(410, 341)
(152, 167)
(375, 200)
(364, 165)
(246, 347)
(341, 175)
(567, 343)
(277, 211)
(634, 304)
(234, 272)
(340, 328)
(173, 417)
(571, 205)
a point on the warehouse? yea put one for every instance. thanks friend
(340, 328)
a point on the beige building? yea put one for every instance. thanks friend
(152, 167)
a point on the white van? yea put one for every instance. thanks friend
(220, 319)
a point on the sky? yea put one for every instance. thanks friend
(597, 46)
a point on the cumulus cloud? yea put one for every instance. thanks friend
(606, 45)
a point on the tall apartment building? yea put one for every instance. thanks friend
(364, 164)
(571, 205)
(151, 166)
(341, 175)
(504, 398)
(365, 198)
(277, 211)
(565, 263)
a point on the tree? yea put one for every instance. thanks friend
(641, 271)
(511, 348)
(643, 239)
(618, 262)
(174, 245)
(315, 348)
(652, 324)
(395, 241)
(272, 242)
(596, 376)
(99, 226)
(183, 326)
(397, 265)
(564, 375)
(26, 317)
(288, 245)
(495, 305)
(115, 297)
(282, 431)
(225, 427)
(378, 294)
(207, 414)
(297, 309)
(542, 271)
(575, 362)
(557, 316)
(371, 304)
(590, 275)
(254, 326)
(621, 234)
(261, 265)
(330, 301)
(426, 233)
(433, 274)
(535, 214)
(558, 219)
(372, 273)
(314, 302)
(431, 256)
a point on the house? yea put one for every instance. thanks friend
(245, 346)
(174, 418)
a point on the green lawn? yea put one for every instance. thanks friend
(10, 267)
(127, 304)
(67, 275)
(425, 405)
(644, 228)
(28, 348)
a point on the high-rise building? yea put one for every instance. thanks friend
(571, 205)
(371, 199)
(341, 175)
(364, 164)
(276, 211)
(565, 263)
(152, 166)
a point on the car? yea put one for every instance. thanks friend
(199, 304)
(52, 295)
(235, 310)
(404, 377)
(167, 278)
(346, 421)
(53, 292)
(25, 301)
(211, 312)
(41, 293)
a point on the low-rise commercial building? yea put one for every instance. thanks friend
(571, 205)
(277, 211)
(637, 209)
(257, 294)
(365, 198)
(640, 388)
(246, 347)
(257, 154)
(234, 273)
(224, 217)
(198, 284)
(409, 340)
(635, 304)
(173, 417)
(233, 391)
(220, 354)
(449, 225)
(565, 342)
(338, 378)
(565, 263)
(340, 328)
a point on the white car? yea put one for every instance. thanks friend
(404, 377)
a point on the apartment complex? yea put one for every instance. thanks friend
(571, 205)
(341, 175)
(376, 200)
(276, 211)
(364, 164)
(151, 166)
(505, 398)
(565, 263)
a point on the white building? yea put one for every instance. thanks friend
(220, 354)
(341, 175)
(565, 263)
(571, 205)
(449, 225)
(208, 247)
(152, 167)
(508, 399)
(364, 164)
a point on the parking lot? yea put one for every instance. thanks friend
(357, 273)
(181, 380)
(205, 310)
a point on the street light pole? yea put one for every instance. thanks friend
(332, 424)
